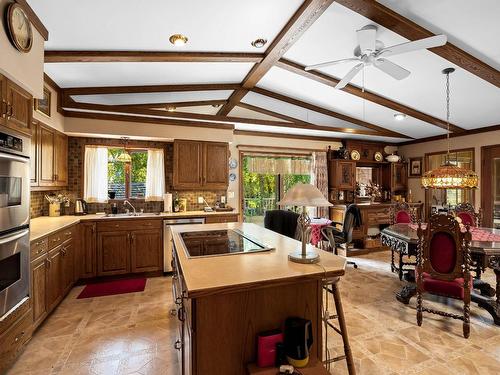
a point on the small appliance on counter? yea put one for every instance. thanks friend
(81, 207)
(267, 347)
(298, 341)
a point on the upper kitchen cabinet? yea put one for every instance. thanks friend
(16, 106)
(342, 174)
(200, 165)
(49, 169)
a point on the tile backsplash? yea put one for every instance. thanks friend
(76, 146)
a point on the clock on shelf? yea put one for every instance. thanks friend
(19, 25)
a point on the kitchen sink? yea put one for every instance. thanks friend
(131, 214)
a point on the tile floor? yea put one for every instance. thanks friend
(134, 334)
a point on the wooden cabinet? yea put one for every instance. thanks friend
(68, 266)
(341, 174)
(14, 340)
(87, 250)
(50, 169)
(145, 250)
(54, 278)
(395, 177)
(16, 106)
(221, 219)
(34, 162)
(113, 250)
(200, 165)
(39, 273)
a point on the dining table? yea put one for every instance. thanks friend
(485, 253)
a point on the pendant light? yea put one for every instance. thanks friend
(124, 157)
(449, 175)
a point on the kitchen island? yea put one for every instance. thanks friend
(223, 302)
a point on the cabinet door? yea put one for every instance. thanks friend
(61, 159)
(113, 253)
(215, 165)
(3, 100)
(399, 177)
(87, 260)
(343, 172)
(188, 164)
(34, 161)
(39, 277)
(46, 154)
(146, 250)
(19, 104)
(54, 280)
(68, 272)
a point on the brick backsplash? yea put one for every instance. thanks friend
(76, 146)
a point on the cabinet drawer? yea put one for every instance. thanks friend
(222, 219)
(13, 341)
(39, 247)
(68, 233)
(129, 224)
(55, 240)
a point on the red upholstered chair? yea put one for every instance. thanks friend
(401, 213)
(443, 266)
(465, 211)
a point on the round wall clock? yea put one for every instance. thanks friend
(378, 156)
(355, 155)
(19, 25)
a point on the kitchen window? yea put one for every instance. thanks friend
(127, 179)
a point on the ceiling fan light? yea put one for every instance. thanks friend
(399, 116)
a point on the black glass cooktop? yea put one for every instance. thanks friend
(220, 242)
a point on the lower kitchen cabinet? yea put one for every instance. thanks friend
(68, 266)
(113, 253)
(54, 277)
(39, 272)
(86, 266)
(146, 250)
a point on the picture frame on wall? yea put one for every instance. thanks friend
(415, 167)
(43, 105)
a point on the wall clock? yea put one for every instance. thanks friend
(20, 30)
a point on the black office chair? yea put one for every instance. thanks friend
(282, 222)
(337, 236)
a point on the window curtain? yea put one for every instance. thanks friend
(279, 165)
(319, 178)
(96, 175)
(155, 176)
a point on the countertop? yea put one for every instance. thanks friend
(221, 274)
(44, 225)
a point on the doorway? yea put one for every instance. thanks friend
(490, 185)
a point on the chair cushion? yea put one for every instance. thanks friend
(467, 218)
(403, 217)
(441, 287)
(443, 252)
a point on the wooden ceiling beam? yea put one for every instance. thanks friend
(175, 104)
(285, 135)
(303, 18)
(149, 56)
(148, 89)
(37, 23)
(370, 96)
(382, 131)
(393, 21)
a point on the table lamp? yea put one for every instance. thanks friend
(304, 195)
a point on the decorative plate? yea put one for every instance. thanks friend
(233, 163)
(355, 155)
(232, 177)
(378, 156)
(19, 27)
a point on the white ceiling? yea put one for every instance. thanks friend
(470, 25)
(215, 25)
(424, 89)
(153, 97)
(145, 73)
(248, 113)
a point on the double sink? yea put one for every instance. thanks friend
(131, 214)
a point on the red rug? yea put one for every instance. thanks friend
(110, 288)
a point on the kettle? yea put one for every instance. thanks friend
(81, 207)
(298, 341)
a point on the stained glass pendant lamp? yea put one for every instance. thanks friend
(124, 157)
(449, 175)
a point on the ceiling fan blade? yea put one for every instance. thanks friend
(350, 75)
(394, 70)
(433, 41)
(328, 63)
(367, 37)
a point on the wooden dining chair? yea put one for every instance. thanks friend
(401, 213)
(443, 266)
(466, 212)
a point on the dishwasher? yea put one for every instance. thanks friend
(167, 238)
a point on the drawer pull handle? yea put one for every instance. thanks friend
(18, 337)
(56, 239)
(67, 234)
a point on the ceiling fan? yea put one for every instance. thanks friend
(371, 51)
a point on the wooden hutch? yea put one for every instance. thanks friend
(391, 177)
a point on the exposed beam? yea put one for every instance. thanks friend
(312, 107)
(145, 89)
(174, 104)
(39, 26)
(149, 56)
(303, 18)
(284, 135)
(486, 129)
(370, 96)
(410, 30)
(300, 124)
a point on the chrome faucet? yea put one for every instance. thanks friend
(130, 204)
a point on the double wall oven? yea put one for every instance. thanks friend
(14, 218)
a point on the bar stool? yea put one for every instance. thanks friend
(331, 288)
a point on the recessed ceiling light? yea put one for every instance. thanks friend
(259, 43)
(171, 108)
(178, 40)
(399, 116)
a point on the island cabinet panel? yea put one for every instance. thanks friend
(54, 278)
(188, 164)
(39, 275)
(221, 219)
(86, 264)
(215, 165)
(113, 249)
(18, 108)
(145, 250)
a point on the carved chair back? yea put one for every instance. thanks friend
(465, 211)
(402, 213)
